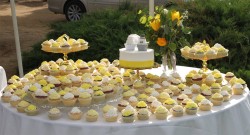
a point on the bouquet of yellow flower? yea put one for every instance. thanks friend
(165, 32)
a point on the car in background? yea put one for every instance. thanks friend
(73, 9)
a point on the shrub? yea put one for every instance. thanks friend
(224, 21)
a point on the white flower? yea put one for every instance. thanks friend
(165, 11)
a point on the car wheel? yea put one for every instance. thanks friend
(74, 10)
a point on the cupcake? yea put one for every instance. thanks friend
(218, 77)
(205, 105)
(181, 97)
(176, 75)
(170, 92)
(75, 114)
(122, 105)
(209, 80)
(163, 96)
(85, 99)
(242, 82)
(54, 98)
(184, 102)
(92, 115)
(191, 108)
(217, 99)
(177, 111)
(126, 95)
(141, 105)
(182, 86)
(143, 114)
(195, 88)
(211, 54)
(197, 79)
(69, 99)
(54, 114)
(133, 101)
(206, 93)
(188, 78)
(111, 115)
(175, 82)
(154, 105)
(14, 100)
(237, 89)
(6, 97)
(106, 108)
(158, 87)
(215, 88)
(150, 83)
(161, 113)
(165, 84)
(139, 86)
(200, 54)
(187, 91)
(31, 110)
(169, 103)
(142, 97)
(155, 94)
(229, 76)
(108, 91)
(198, 98)
(226, 95)
(128, 115)
(176, 91)
(40, 96)
(99, 96)
(21, 106)
(150, 99)
(227, 88)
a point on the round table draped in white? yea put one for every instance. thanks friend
(232, 118)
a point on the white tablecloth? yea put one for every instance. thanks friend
(232, 118)
(3, 80)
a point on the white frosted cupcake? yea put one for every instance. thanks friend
(143, 114)
(69, 99)
(238, 89)
(205, 105)
(111, 115)
(226, 95)
(54, 114)
(177, 111)
(14, 100)
(75, 114)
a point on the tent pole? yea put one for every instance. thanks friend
(17, 42)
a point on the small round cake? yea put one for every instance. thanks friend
(136, 59)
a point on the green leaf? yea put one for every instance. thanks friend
(172, 46)
(186, 30)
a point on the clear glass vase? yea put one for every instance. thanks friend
(169, 62)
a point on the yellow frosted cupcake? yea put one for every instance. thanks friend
(189, 77)
(154, 105)
(141, 105)
(106, 108)
(169, 103)
(54, 98)
(242, 82)
(163, 97)
(128, 115)
(161, 113)
(142, 97)
(198, 98)
(126, 95)
(191, 108)
(176, 91)
(85, 99)
(218, 77)
(21, 106)
(217, 99)
(92, 115)
(215, 88)
(75, 114)
(229, 76)
(99, 96)
(31, 110)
